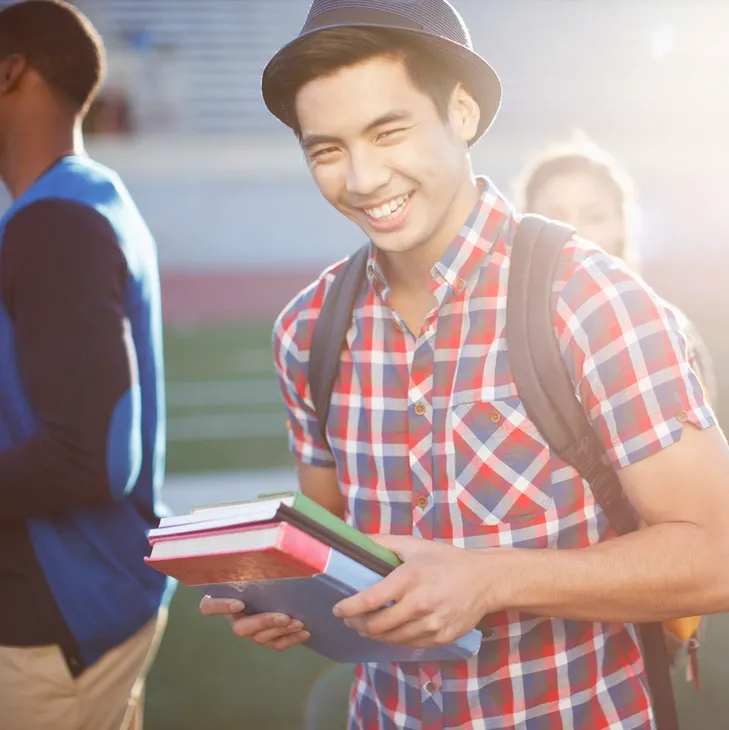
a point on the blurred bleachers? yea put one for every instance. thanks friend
(220, 47)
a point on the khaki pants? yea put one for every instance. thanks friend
(37, 691)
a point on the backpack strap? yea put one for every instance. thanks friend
(542, 380)
(548, 394)
(330, 333)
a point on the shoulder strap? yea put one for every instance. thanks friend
(542, 380)
(548, 394)
(330, 333)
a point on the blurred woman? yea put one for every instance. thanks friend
(580, 183)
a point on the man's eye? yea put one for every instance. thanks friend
(390, 133)
(322, 153)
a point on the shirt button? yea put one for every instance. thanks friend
(682, 416)
(431, 687)
(419, 409)
(421, 502)
(488, 633)
(460, 284)
(495, 417)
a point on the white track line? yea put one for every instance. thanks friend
(210, 393)
(226, 426)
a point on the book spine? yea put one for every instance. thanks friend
(300, 546)
(324, 517)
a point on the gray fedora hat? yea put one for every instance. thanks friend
(436, 22)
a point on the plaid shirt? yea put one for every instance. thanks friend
(429, 438)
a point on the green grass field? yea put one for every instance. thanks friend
(206, 678)
(224, 406)
(225, 413)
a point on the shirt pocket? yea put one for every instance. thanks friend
(501, 464)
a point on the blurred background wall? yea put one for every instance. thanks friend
(226, 192)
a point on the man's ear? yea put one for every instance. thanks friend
(12, 69)
(465, 114)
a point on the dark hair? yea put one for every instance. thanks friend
(328, 50)
(577, 155)
(58, 42)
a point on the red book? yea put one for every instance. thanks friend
(240, 555)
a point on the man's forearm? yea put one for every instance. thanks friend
(665, 571)
(63, 282)
(42, 476)
(320, 485)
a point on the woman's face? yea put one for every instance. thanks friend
(587, 204)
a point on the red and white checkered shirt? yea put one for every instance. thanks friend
(429, 438)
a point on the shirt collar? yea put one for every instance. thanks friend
(488, 224)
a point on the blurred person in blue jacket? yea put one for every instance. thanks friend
(81, 396)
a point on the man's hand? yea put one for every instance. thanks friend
(273, 630)
(439, 593)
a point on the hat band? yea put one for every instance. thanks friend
(359, 16)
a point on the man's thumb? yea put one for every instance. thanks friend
(398, 544)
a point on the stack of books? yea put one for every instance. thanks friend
(286, 554)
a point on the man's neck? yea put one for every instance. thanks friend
(32, 151)
(409, 270)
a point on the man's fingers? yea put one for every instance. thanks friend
(286, 642)
(220, 606)
(417, 635)
(404, 546)
(388, 590)
(274, 630)
(247, 626)
(267, 636)
(404, 612)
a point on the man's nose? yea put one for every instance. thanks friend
(366, 175)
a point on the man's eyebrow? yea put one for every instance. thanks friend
(312, 140)
(387, 118)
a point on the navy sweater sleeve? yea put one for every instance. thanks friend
(63, 278)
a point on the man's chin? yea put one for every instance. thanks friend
(394, 244)
(390, 249)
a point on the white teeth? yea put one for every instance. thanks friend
(388, 209)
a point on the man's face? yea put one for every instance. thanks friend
(381, 153)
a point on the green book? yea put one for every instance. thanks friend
(325, 519)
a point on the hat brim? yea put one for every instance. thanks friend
(473, 71)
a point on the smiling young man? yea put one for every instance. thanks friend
(428, 443)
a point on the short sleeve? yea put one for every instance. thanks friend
(291, 361)
(627, 356)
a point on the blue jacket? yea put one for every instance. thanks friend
(92, 555)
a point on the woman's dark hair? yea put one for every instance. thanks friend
(325, 52)
(58, 42)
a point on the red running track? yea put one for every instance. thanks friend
(191, 298)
